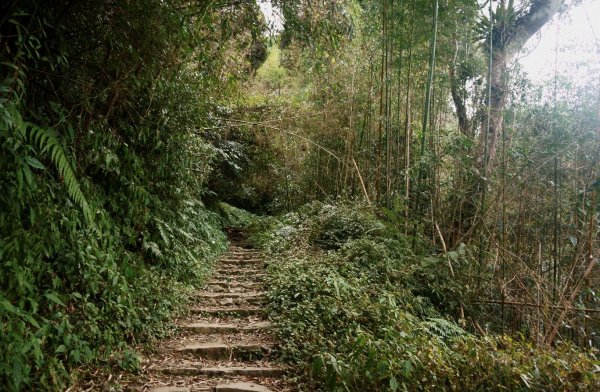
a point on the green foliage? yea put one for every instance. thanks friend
(515, 234)
(246, 156)
(319, 26)
(102, 168)
(335, 226)
(361, 317)
(235, 217)
(271, 72)
(50, 145)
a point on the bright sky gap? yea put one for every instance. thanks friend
(573, 35)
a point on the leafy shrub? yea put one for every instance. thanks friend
(329, 226)
(354, 317)
(235, 217)
(102, 231)
(245, 156)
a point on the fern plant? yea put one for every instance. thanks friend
(443, 329)
(45, 140)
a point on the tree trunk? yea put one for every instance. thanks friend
(486, 157)
(509, 35)
(510, 39)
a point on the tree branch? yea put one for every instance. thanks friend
(540, 12)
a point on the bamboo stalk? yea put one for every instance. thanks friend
(428, 91)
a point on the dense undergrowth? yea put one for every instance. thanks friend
(360, 311)
(103, 168)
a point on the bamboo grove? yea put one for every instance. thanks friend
(419, 107)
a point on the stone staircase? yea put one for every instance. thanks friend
(226, 344)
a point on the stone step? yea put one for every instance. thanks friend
(230, 299)
(224, 328)
(233, 288)
(241, 387)
(229, 289)
(250, 260)
(242, 263)
(254, 278)
(242, 255)
(224, 351)
(226, 371)
(238, 271)
(237, 311)
(245, 285)
(246, 295)
(257, 268)
(241, 260)
(242, 249)
(229, 387)
(172, 389)
(227, 350)
(246, 266)
(240, 301)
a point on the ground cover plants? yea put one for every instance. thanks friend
(357, 309)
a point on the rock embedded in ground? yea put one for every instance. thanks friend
(231, 371)
(241, 387)
(221, 328)
(235, 311)
(171, 389)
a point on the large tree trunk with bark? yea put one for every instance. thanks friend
(508, 39)
(488, 137)
(512, 39)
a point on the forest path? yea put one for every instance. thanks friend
(226, 344)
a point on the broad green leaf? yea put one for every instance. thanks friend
(31, 320)
(33, 162)
(54, 298)
(7, 306)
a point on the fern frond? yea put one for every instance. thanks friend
(185, 234)
(443, 328)
(162, 229)
(152, 248)
(45, 140)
